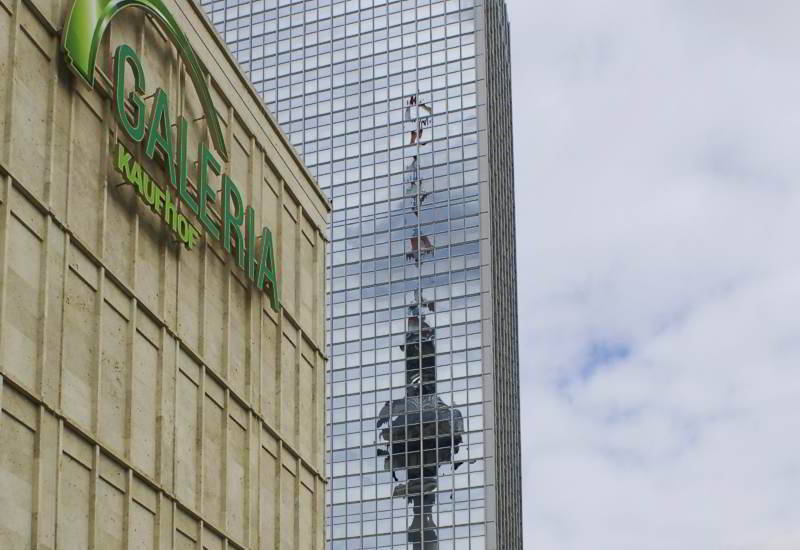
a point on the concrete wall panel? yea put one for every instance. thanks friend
(236, 504)
(6, 62)
(149, 395)
(270, 332)
(187, 433)
(29, 118)
(80, 341)
(120, 229)
(76, 488)
(144, 400)
(143, 527)
(213, 450)
(87, 173)
(215, 291)
(239, 337)
(191, 274)
(289, 254)
(289, 389)
(110, 513)
(24, 287)
(115, 378)
(150, 250)
(268, 499)
(17, 447)
(289, 535)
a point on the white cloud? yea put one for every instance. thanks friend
(658, 200)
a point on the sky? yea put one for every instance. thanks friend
(657, 163)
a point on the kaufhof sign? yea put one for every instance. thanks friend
(86, 23)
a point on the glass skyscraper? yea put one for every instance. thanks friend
(402, 111)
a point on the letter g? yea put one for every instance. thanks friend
(125, 55)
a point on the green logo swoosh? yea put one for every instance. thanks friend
(86, 24)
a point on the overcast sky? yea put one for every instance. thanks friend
(658, 214)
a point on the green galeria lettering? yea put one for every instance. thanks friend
(232, 225)
(161, 132)
(206, 160)
(266, 270)
(157, 134)
(124, 55)
(183, 167)
(232, 222)
(123, 161)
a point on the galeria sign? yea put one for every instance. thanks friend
(82, 34)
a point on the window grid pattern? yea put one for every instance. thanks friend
(404, 254)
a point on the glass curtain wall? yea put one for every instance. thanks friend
(380, 100)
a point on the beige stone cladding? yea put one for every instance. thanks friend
(150, 398)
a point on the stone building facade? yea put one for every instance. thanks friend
(152, 395)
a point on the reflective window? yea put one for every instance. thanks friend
(379, 97)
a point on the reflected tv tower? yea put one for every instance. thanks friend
(420, 431)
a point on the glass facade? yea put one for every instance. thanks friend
(380, 98)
